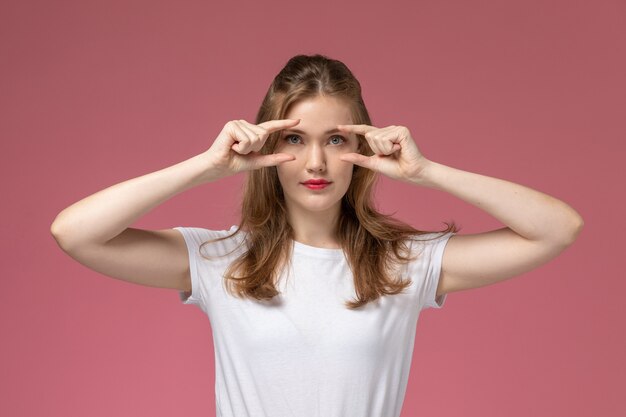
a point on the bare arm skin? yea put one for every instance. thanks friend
(539, 227)
(95, 230)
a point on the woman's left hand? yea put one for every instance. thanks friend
(395, 153)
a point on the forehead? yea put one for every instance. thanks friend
(320, 113)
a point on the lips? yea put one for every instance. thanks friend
(316, 182)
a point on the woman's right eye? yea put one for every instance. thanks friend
(288, 137)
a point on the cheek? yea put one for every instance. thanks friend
(280, 171)
(343, 171)
(285, 171)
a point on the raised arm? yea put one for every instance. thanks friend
(95, 230)
(538, 226)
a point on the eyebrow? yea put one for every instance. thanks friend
(335, 130)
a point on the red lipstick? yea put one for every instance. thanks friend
(316, 184)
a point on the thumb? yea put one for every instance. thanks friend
(357, 159)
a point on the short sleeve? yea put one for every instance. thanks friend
(194, 236)
(427, 269)
(201, 269)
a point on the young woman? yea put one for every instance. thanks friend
(314, 298)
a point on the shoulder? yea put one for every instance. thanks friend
(429, 240)
(202, 237)
(427, 249)
(204, 232)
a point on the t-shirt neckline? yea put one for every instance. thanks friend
(302, 248)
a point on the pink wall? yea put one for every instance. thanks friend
(94, 93)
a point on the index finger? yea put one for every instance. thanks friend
(272, 125)
(359, 129)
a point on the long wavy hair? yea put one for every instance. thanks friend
(374, 244)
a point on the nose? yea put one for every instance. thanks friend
(316, 159)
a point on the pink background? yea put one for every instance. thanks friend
(95, 93)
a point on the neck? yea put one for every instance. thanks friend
(318, 228)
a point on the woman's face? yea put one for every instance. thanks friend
(316, 145)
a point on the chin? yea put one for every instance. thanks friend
(322, 206)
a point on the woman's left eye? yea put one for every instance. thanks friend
(339, 137)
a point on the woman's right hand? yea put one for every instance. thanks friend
(236, 147)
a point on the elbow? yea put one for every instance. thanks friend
(58, 235)
(54, 231)
(580, 223)
(55, 226)
(578, 226)
(571, 235)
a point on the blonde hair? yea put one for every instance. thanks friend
(366, 236)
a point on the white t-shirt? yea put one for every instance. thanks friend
(304, 354)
